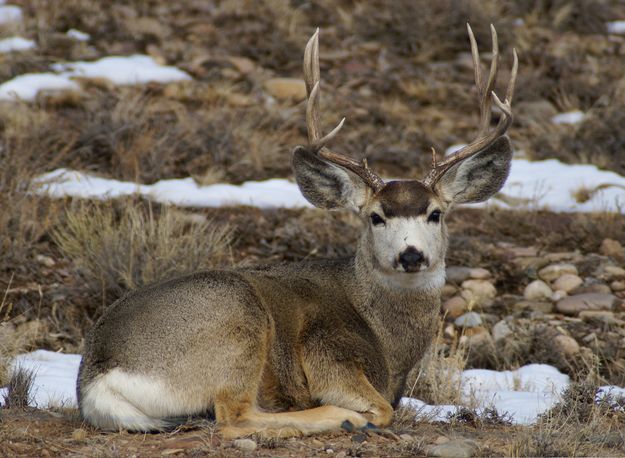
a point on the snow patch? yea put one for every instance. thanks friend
(136, 69)
(55, 377)
(570, 117)
(549, 185)
(78, 35)
(26, 87)
(523, 394)
(10, 14)
(13, 44)
(617, 27)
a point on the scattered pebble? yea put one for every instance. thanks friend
(537, 290)
(612, 248)
(247, 445)
(501, 330)
(480, 292)
(458, 274)
(566, 345)
(567, 283)
(554, 271)
(286, 88)
(468, 320)
(455, 306)
(457, 448)
(572, 305)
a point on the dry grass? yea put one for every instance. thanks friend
(19, 389)
(436, 380)
(578, 425)
(120, 248)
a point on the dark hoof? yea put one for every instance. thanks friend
(348, 426)
(371, 427)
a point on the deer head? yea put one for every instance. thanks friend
(405, 229)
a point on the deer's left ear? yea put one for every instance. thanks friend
(479, 177)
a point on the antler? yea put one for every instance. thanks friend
(315, 139)
(486, 96)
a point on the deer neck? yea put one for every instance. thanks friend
(402, 309)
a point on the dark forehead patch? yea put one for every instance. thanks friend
(404, 198)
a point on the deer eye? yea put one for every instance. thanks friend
(434, 217)
(376, 219)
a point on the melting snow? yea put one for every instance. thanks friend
(616, 26)
(532, 185)
(26, 87)
(134, 69)
(571, 117)
(78, 35)
(523, 394)
(12, 44)
(9, 14)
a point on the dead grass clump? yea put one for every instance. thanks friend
(580, 16)
(579, 425)
(599, 140)
(429, 30)
(19, 389)
(121, 247)
(436, 379)
(489, 416)
(29, 144)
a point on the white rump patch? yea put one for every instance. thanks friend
(118, 400)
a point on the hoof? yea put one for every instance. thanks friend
(348, 426)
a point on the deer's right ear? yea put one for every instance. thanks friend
(326, 185)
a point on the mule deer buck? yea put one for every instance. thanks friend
(300, 348)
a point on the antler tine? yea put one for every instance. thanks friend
(312, 78)
(487, 97)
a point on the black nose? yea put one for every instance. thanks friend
(411, 259)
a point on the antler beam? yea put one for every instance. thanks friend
(486, 96)
(316, 139)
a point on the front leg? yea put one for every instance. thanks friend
(345, 385)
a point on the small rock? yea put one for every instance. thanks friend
(603, 316)
(46, 261)
(523, 251)
(406, 437)
(458, 274)
(359, 438)
(599, 288)
(614, 272)
(441, 440)
(501, 330)
(571, 256)
(567, 283)
(572, 305)
(450, 331)
(618, 285)
(555, 271)
(242, 64)
(342, 454)
(457, 448)
(479, 292)
(316, 443)
(479, 273)
(537, 290)
(566, 345)
(557, 295)
(286, 88)
(449, 290)
(329, 451)
(247, 445)
(612, 248)
(468, 320)
(455, 306)
(171, 451)
(537, 306)
(79, 434)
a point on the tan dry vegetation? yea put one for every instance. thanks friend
(118, 248)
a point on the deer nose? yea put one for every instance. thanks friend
(411, 259)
